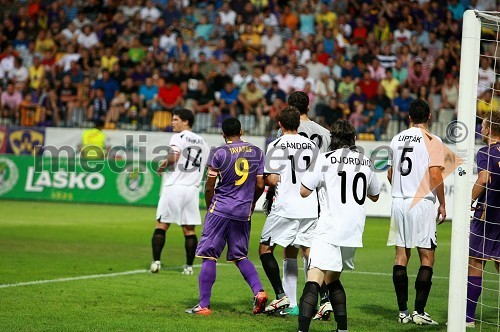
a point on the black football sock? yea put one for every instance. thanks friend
(272, 270)
(323, 293)
(307, 305)
(400, 280)
(157, 243)
(338, 300)
(191, 242)
(423, 287)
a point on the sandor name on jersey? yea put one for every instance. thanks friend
(297, 145)
(409, 138)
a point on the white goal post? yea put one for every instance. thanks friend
(467, 105)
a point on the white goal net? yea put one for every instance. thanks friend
(474, 293)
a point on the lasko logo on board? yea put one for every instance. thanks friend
(134, 183)
(8, 175)
(38, 181)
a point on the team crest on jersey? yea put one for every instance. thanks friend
(134, 183)
(8, 175)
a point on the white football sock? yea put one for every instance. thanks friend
(290, 275)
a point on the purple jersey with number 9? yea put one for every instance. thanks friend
(237, 165)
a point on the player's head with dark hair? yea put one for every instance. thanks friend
(343, 135)
(491, 123)
(419, 111)
(185, 114)
(231, 127)
(289, 118)
(299, 100)
(99, 123)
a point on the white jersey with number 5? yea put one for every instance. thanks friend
(414, 151)
(289, 156)
(193, 153)
(343, 178)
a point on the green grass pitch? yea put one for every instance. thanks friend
(42, 241)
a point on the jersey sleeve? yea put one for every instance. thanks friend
(214, 159)
(273, 159)
(436, 155)
(176, 143)
(313, 176)
(373, 186)
(482, 160)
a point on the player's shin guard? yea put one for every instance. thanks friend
(423, 287)
(206, 280)
(190, 243)
(308, 303)
(250, 274)
(323, 293)
(290, 275)
(272, 270)
(474, 287)
(339, 303)
(400, 280)
(157, 243)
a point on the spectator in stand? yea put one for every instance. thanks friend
(402, 35)
(390, 84)
(88, 38)
(346, 88)
(229, 99)
(19, 75)
(449, 93)
(201, 100)
(402, 106)
(355, 98)
(374, 118)
(400, 72)
(67, 94)
(350, 69)
(149, 12)
(273, 93)
(368, 85)
(49, 109)
(108, 84)
(271, 41)
(417, 75)
(386, 58)
(252, 100)
(331, 113)
(149, 93)
(357, 119)
(377, 72)
(10, 103)
(98, 107)
(170, 96)
(80, 20)
(486, 76)
(285, 79)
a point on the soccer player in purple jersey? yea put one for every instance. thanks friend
(484, 237)
(239, 166)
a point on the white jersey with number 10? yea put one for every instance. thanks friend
(344, 178)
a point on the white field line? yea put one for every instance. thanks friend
(108, 275)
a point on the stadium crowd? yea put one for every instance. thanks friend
(131, 63)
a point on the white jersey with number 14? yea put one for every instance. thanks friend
(193, 153)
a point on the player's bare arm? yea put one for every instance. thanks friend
(389, 175)
(438, 185)
(373, 198)
(259, 190)
(272, 180)
(210, 186)
(480, 185)
(304, 191)
(171, 159)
